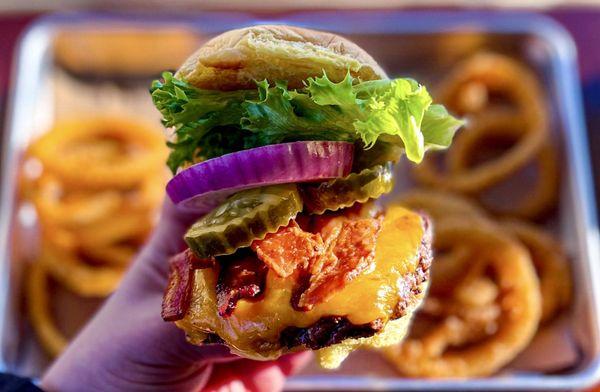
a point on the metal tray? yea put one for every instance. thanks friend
(59, 71)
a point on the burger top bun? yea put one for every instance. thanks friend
(236, 59)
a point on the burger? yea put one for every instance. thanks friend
(283, 140)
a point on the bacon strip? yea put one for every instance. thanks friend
(238, 279)
(288, 249)
(350, 251)
(176, 299)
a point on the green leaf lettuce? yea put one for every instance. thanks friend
(209, 123)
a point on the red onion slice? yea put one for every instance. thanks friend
(207, 184)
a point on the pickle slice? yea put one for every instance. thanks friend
(344, 192)
(242, 218)
(385, 150)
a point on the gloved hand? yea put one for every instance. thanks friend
(128, 347)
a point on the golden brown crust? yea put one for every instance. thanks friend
(235, 59)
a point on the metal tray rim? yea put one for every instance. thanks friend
(31, 43)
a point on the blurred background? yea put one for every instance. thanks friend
(581, 18)
(100, 68)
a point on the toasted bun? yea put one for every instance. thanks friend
(236, 59)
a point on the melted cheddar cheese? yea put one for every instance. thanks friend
(254, 327)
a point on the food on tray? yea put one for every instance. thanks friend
(489, 315)
(492, 132)
(283, 139)
(124, 152)
(508, 129)
(124, 51)
(493, 281)
(95, 184)
(485, 301)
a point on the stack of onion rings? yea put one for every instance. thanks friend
(476, 343)
(96, 195)
(500, 98)
(492, 283)
(465, 313)
(460, 330)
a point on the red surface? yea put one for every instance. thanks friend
(584, 26)
(11, 27)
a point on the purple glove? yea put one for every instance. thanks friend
(128, 347)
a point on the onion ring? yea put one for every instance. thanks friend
(472, 82)
(95, 188)
(473, 98)
(439, 204)
(52, 340)
(74, 209)
(551, 265)
(122, 227)
(547, 255)
(143, 145)
(79, 277)
(486, 74)
(458, 348)
(117, 255)
(544, 191)
(488, 173)
(150, 194)
(486, 313)
(59, 236)
(449, 269)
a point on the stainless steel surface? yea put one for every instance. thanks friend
(423, 45)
